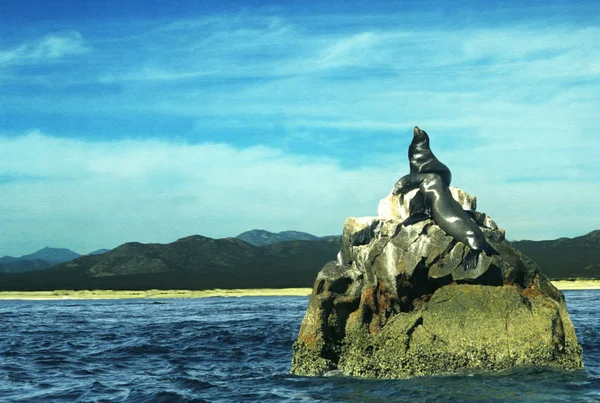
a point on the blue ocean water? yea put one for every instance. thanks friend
(231, 349)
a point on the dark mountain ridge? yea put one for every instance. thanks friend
(52, 255)
(22, 266)
(194, 262)
(41, 259)
(566, 258)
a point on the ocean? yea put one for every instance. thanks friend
(232, 350)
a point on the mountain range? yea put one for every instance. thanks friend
(48, 257)
(43, 258)
(194, 262)
(566, 258)
(254, 259)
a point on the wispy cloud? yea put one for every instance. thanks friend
(47, 49)
(156, 75)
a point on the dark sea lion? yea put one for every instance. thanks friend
(447, 213)
(422, 160)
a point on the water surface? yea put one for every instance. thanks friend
(231, 349)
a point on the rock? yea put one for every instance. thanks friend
(466, 201)
(400, 207)
(465, 327)
(398, 303)
(357, 231)
(397, 207)
(489, 223)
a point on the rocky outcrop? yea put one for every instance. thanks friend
(398, 303)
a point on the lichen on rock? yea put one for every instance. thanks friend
(398, 303)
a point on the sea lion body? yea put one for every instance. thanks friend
(447, 213)
(422, 160)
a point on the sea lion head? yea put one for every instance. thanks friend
(420, 136)
(422, 160)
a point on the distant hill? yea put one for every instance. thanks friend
(259, 237)
(566, 258)
(52, 255)
(22, 266)
(195, 262)
(41, 259)
(7, 259)
(99, 252)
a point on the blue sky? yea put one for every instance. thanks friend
(149, 121)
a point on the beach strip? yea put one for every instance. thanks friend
(562, 285)
(153, 294)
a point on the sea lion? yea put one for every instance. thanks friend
(447, 213)
(422, 160)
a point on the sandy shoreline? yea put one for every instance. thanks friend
(260, 292)
(577, 284)
(152, 294)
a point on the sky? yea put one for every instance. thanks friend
(153, 120)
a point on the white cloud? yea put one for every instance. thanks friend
(48, 48)
(82, 195)
(87, 195)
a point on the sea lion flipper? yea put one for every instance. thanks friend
(472, 214)
(489, 250)
(415, 218)
(406, 184)
(470, 261)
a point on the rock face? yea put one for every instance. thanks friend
(398, 303)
